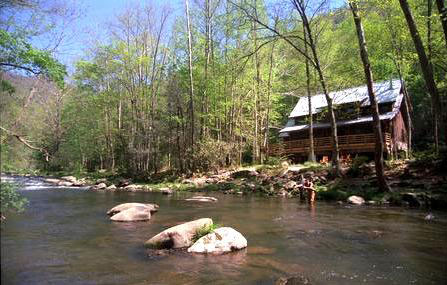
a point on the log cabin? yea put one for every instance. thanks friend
(354, 123)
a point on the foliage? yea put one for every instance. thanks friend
(127, 107)
(212, 154)
(314, 166)
(203, 231)
(16, 53)
(357, 162)
(10, 200)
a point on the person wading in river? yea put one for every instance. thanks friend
(308, 186)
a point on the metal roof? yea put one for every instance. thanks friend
(386, 91)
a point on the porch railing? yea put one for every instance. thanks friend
(361, 142)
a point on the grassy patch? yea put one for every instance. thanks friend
(203, 231)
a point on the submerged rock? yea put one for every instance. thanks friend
(294, 280)
(123, 207)
(413, 199)
(356, 200)
(221, 240)
(202, 199)
(178, 236)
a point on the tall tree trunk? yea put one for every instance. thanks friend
(335, 149)
(204, 103)
(429, 55)
(256, 90)
(383, 186)
(426, 67)
(191, 83)
(269, 91)
(397, 59)
(443, 15)
(311, 156)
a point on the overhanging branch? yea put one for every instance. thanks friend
(27, 143)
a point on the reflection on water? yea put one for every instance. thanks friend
(65, 237)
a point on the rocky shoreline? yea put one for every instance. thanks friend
(412, 186)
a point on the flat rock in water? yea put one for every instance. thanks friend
(111, 187)
(356, 200)
(71, 179)
(222, 240)
(52, 180)
(294, 280)
(133, 187)
(100, 186)
(134, 214)
(202, 199)
(178, 236)
(64, 183)
(123, 207)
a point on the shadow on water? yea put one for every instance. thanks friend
(65, 237)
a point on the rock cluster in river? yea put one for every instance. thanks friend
(218, 241)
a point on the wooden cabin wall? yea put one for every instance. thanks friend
(399, 132)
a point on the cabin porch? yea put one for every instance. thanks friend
(358, 143)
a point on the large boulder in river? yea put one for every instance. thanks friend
(134, 214)
(221, 240)
(356, 200)
(126, 206)
(178, 236)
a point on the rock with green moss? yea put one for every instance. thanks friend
(219, 241)
(179, 236)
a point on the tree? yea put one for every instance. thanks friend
(309, 103)
(314, 59)
(426, 68)
(443, 17)
(191, 81)
(383, 186)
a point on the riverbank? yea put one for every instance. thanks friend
(415, 183)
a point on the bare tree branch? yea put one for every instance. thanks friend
(27, 143)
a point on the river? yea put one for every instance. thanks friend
(65, 237)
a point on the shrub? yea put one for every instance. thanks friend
(358, 161)
(10, 200)
(203, 231)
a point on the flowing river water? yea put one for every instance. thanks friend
(65, 237)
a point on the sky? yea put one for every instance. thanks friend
(96, 16)
(91, 27)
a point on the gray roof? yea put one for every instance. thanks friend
(385, 92)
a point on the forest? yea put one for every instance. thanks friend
(223, 141)
(205, 84)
